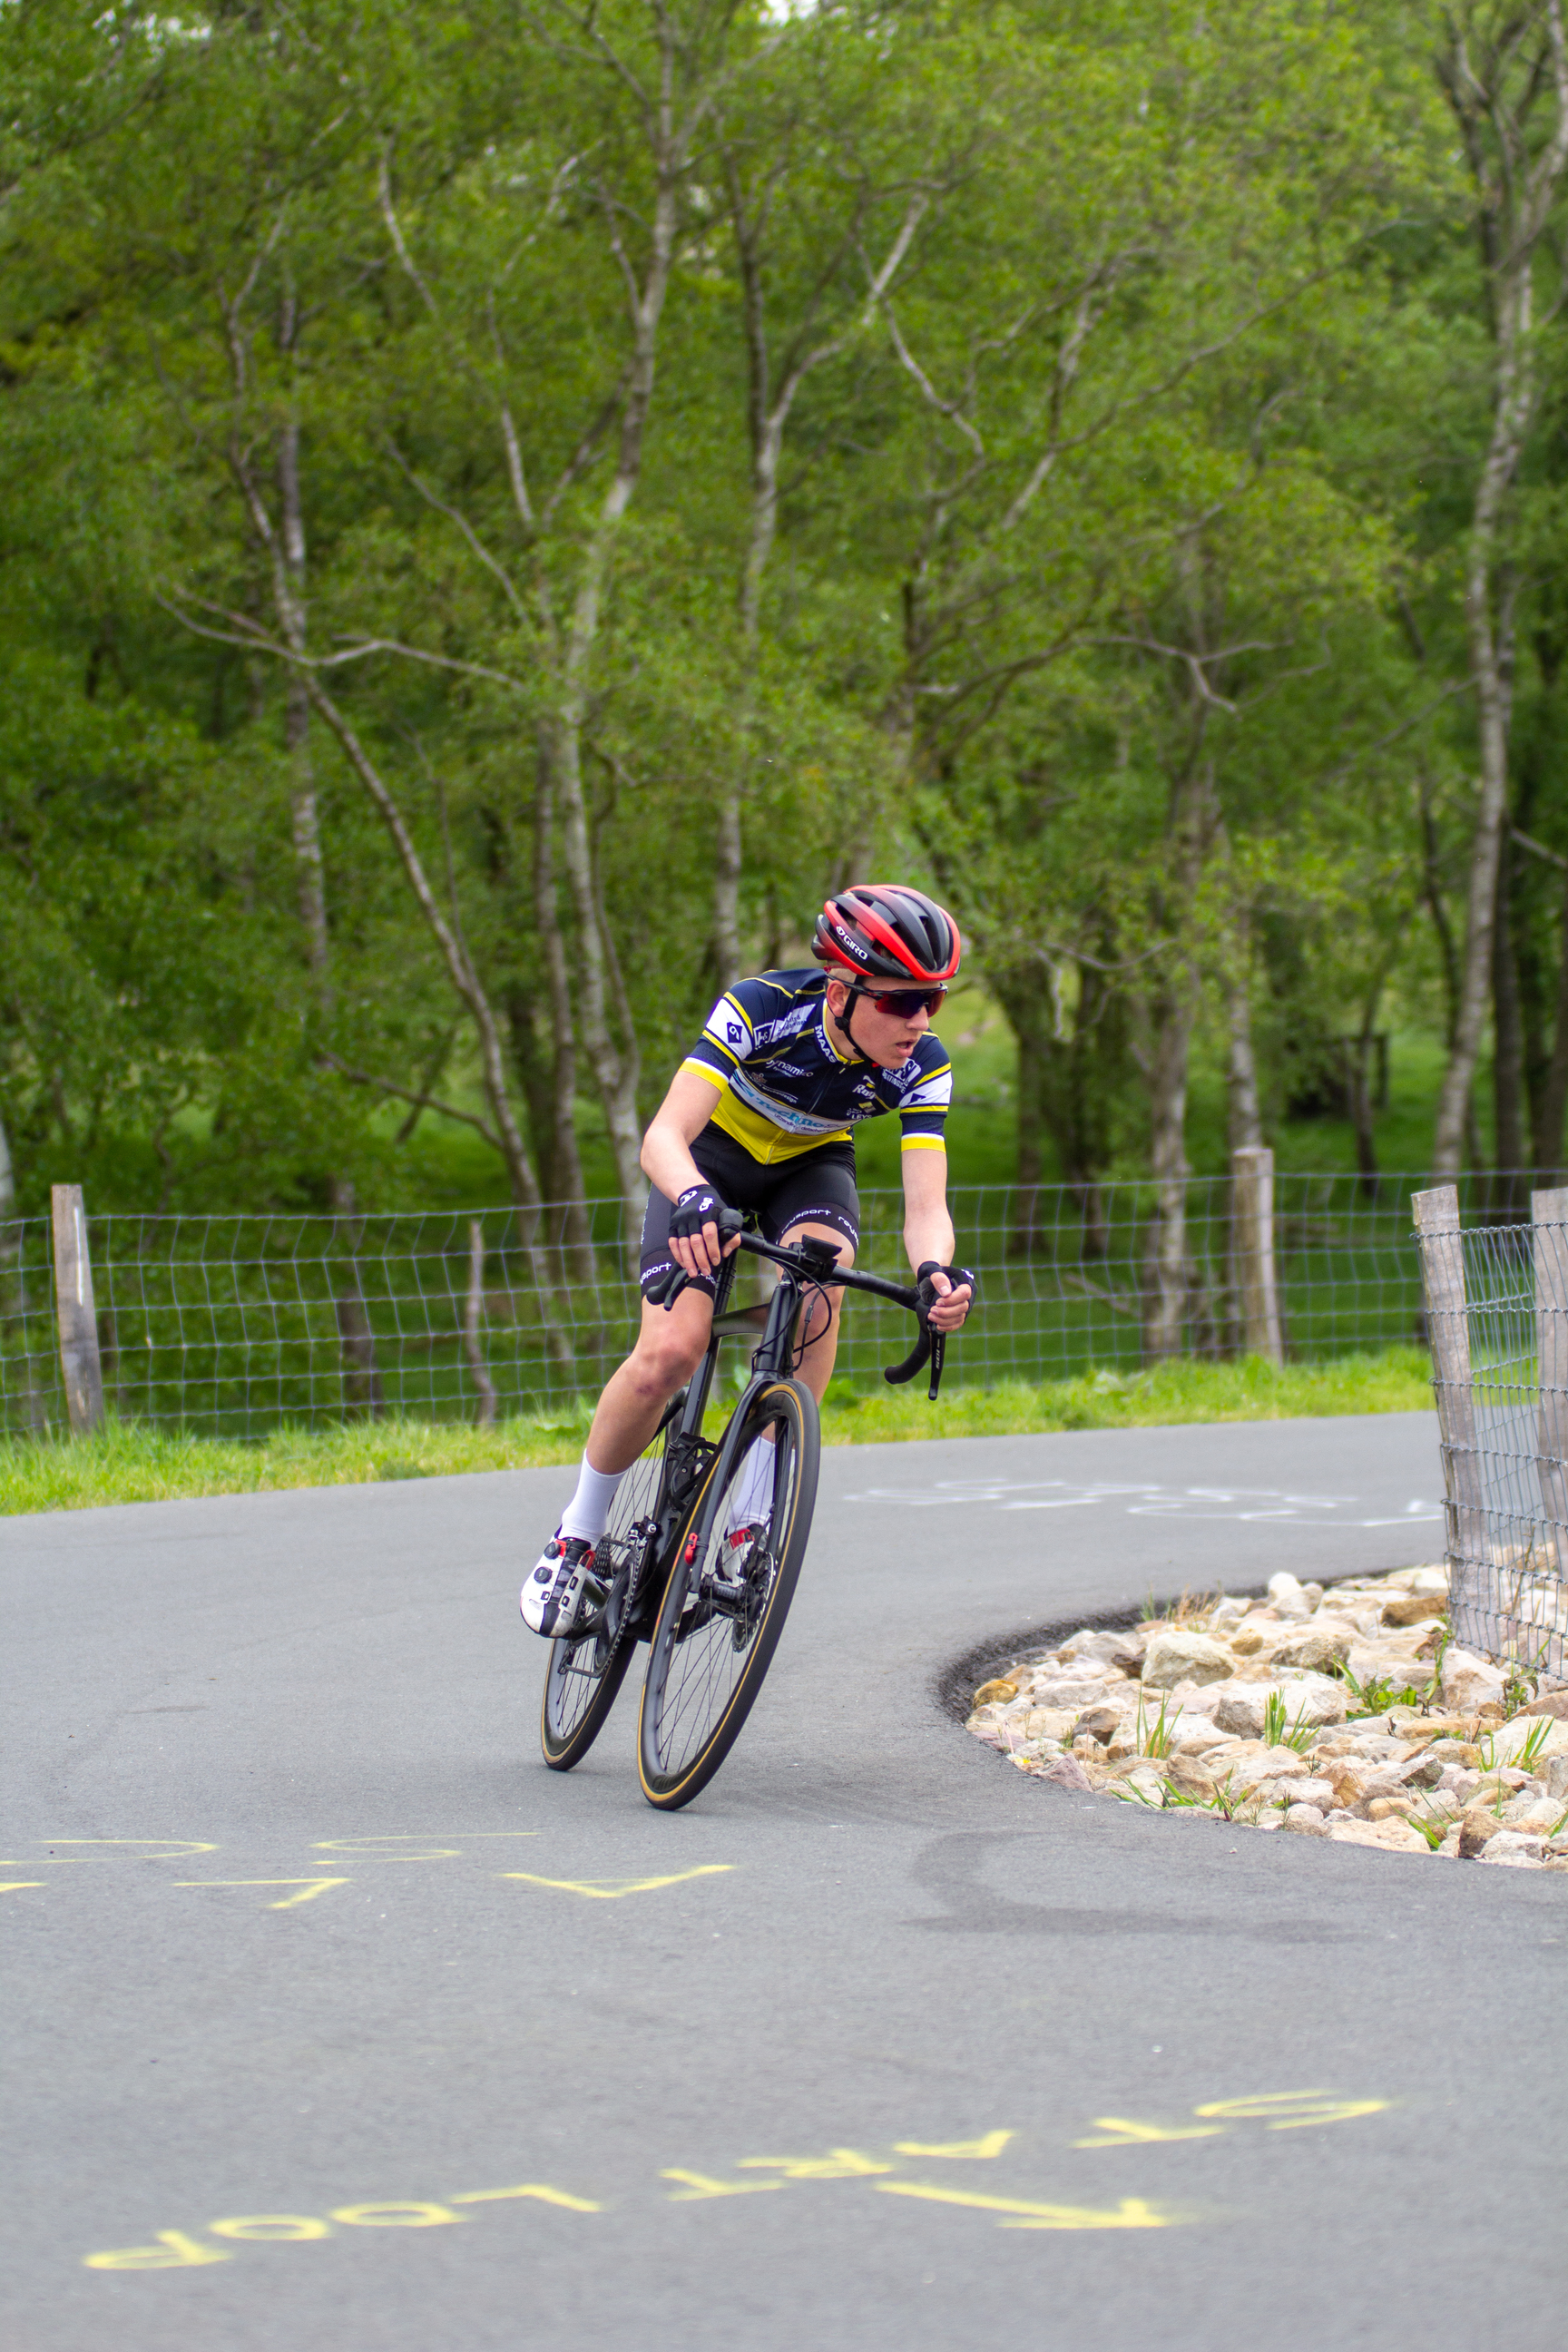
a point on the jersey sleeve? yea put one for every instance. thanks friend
(728, 1037)
(923, 1105)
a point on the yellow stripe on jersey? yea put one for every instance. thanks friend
(758, 1136)
(922, 1143)
(706, 1070)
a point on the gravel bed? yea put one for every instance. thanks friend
(1348, 1714)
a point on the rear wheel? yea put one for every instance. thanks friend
(725, 1603)
(586, 1669)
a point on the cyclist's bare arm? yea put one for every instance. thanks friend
(667, 1162)
(928, 1230)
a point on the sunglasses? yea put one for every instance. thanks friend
(904, 1002)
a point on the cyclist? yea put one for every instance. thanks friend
(758, 1118)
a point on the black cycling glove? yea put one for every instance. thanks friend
(697, 1206)
(957, 1275)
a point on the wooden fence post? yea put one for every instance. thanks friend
(1549, 1222)
(1252, 1243)
(77, 1315)
(1436, 1215)
(473, 1310)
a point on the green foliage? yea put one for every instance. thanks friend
(1279, 1732)
(1043, 470)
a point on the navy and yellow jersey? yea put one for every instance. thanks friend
(785, 1087)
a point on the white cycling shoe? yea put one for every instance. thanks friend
(557, 1587)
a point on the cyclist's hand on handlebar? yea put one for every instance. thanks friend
(946, 1294)
(694, 1236)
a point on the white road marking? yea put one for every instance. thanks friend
(1257, 1506)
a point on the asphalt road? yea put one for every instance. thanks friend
(326, 1998)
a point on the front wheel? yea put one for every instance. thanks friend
(726, 1598)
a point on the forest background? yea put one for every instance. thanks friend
(502, 507)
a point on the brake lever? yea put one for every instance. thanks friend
(668, 1288)
(897, 1375)
(938, 1351)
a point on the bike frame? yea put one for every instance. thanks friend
(808, 1264)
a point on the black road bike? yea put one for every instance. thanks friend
(675, 1568)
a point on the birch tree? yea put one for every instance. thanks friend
(1504, 71)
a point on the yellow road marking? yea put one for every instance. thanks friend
(700, 2186)
(312, 1887)
(530, 2189)
(396, 2214)
(991, 2145)
(1132, 2213)
(271, 2229)
(177, 1846)
(1271, 2108)
(174, 2252)
(610, 1890)
(385, 1844)
(840, 2163)
(18, 1885)
(1124, 2133)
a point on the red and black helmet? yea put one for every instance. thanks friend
(881, 930)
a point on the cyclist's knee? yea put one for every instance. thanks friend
(822, 1318)
(663, 1359)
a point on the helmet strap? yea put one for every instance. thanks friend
(842, 1020)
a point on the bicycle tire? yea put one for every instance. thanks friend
(579, 1692)
(704, 1674)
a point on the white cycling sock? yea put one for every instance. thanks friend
(752, 1495)
(589, 1509)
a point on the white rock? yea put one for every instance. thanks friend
(1325, 1642)
(1228, 1613)
(1312, 1699)
(1196, 1735)
(1074, 1691)
(1468, 1683)
(1410, 1579)
(1513, 1845)
(1310, 1791)
(1088, 1645)
(1239, 1709)
(1288, 1596)
(1049, 1722)
(1179, 1656)
(1536, 1816)
(1306, 1819)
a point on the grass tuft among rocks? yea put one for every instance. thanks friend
(1348, 1714)
(131, 1463)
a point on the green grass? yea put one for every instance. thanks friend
(129, 1463)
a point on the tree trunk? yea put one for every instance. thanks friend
(1509, 1186)
(1027, 1020)
(1549, 1110)
(13, 1302)
(466, 981)
(1361, 1106)
(1492, 86)
(1165, 1274)
(1244, 1120)
(566, 1179)
(1192, 828)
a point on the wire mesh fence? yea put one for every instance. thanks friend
(1497, 1301)
(234, 1325)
